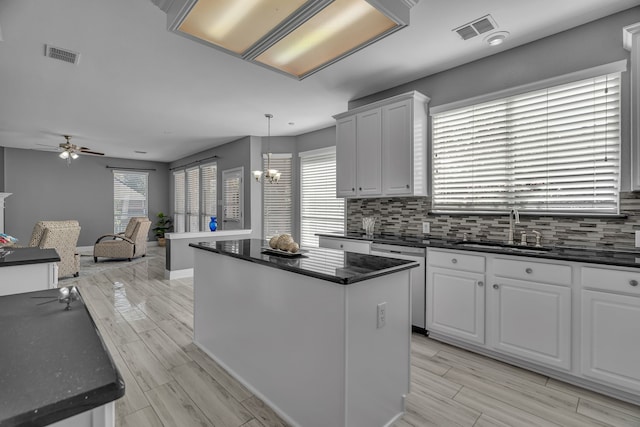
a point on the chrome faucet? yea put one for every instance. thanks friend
(514, 218)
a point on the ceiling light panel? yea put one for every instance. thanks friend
(236, 25)
(338, 29)
(295, 37)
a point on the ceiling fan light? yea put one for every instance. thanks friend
(64, 155)
(74, 156)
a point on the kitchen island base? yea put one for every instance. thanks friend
(310, 348)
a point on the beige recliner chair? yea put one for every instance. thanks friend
(63, 237)
(130, 244)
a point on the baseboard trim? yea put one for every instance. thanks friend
(178, 274)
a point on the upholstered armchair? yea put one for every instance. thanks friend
(130, 244)
(63, 237)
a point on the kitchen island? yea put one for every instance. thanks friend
(55, 367)
(323, 338)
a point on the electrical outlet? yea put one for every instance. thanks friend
(382, 314)
(426, 227)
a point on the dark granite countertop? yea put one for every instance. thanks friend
(326, 264)
(53, 362)
(10, 256)
(621, 258)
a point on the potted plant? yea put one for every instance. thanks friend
(164, 224)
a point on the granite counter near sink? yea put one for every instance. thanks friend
(621, 258)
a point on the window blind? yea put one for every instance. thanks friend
(277, 204)
(179, 201)
(130, 191)
(550, 150)
(193, 199)
(209, 175)
(320, 210)
(232, 202)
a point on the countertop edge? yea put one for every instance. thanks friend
(328, 278)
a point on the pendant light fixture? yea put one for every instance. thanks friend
(272, 175)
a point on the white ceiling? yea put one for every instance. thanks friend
(139, 87)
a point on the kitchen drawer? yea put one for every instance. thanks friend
(348, 245)
(455, 260)
(532, 271)
(611, 280)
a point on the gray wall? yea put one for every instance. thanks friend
(45, 188)
(596, 43)
(2, 170)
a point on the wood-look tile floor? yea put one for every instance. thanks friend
(147, 324)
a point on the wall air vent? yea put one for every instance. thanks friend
(62, 54)
(477, 27)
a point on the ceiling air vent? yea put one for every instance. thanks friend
(62, 54)
(479, 26)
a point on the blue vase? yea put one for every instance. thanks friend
(213, 224)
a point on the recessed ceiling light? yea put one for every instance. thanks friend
(496, 39)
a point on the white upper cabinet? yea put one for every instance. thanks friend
(346, 153)
(385, 152)
(369, 153)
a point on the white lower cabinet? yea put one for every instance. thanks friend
(455, 303)
(531, 320)
(569, 320)
(610, 321)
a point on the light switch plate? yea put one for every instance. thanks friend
(426, 227)
(637, 239)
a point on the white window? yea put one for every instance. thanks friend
(233, 199)
(320, 210)
(193, 199)
(277, 204)
(130, 191)
(209, 182)
(179, 201)
(554, 149)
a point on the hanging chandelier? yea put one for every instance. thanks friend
(270, 175)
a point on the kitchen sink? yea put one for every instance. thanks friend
(502, 246)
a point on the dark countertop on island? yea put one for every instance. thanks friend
(325, 264)
(621, 258)
(53, 362)
(10, 256)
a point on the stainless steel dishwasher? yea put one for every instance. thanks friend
(418, 276)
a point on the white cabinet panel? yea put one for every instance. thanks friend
(347, 245)
(611, 338)
(532, 320)
(369, 153)
(455, 303)
(382, 148)
(397, 150)
(346, 155)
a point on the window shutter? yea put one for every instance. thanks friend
(130, 191)
(277, 202)
(193, 199)
(233, 210)
(179, 201)
(321, 211)
(550, 150)
(209, 193)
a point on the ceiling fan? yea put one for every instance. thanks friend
(69, 151)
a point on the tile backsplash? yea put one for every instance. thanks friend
(406, 215)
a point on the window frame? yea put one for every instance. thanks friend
(505, 96)
(311, 154)
(118, 228)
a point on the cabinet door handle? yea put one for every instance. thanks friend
(360, 188)
(528, 270)
(633, 282)
(341, 246)
(353, 189)
(481, 284)
(407, 185)
(454, 261)
(495, 286)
